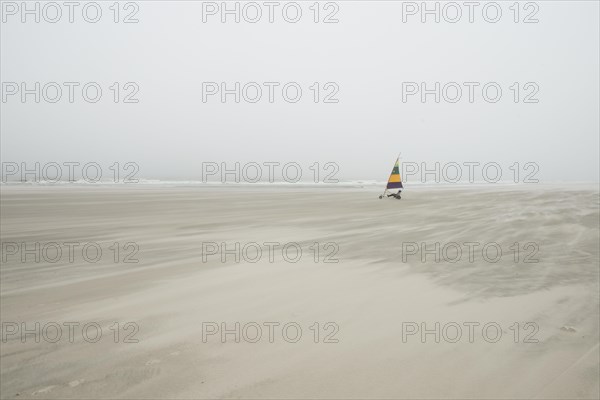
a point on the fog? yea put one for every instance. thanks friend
(370, 68)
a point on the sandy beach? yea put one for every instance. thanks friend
(299, 292)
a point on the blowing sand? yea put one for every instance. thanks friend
(350, 325)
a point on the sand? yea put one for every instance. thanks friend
(365, 304)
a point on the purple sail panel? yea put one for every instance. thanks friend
(394, 185)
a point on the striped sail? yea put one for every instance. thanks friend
(395, 181)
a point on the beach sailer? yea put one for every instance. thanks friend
(394, 182)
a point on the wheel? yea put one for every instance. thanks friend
(380, 196)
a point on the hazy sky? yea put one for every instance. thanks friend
(368, 54)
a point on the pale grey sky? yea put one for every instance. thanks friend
(369, 53)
